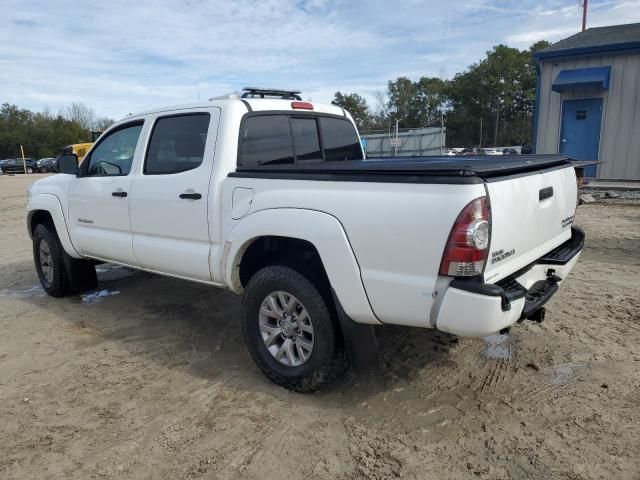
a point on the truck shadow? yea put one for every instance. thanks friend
(196, 328)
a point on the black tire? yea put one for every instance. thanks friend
(67, 275)
(327, 359)
(29, 170)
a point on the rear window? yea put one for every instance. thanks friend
(305, 138)
(265, 140)
(282, 139)
(340, 140)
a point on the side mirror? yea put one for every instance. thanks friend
(67, 163)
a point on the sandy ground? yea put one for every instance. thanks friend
(148, 378)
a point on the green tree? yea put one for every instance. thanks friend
(491, 103)
(432, 99)
(415, 104)
(41, 134)
(355, 105)
(404, 101)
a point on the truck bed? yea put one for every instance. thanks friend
(467, 169)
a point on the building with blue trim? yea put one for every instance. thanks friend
(588, 100)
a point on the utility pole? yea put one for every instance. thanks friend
(397, 139)
(495, 133)
(24, 163)
(584, 14)
(442, 132)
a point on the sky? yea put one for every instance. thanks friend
(123, 56)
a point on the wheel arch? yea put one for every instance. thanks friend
(43, 208)
(307, 231)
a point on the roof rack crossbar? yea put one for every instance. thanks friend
(256, 92)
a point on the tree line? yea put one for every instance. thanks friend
(44, 134)
(491, 103)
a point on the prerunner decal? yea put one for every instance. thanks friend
(500, 255)
(567, 221)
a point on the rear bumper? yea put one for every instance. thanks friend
(471, 308)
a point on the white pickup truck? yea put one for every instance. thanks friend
(271, 197)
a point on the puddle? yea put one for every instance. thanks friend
(111, 271)
(497, 347)
(561, 374)
(95, 297)
(29, 292)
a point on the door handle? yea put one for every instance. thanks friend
(545, 193)
(119, 194)
(191, 196)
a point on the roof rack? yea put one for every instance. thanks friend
(256, 92)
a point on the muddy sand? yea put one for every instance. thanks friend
(148, 377)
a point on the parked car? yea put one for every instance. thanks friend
(45, 164)
(492, 151)
(526, 150)
(450, 152)
(15, 165)
(510, 151)
(256, 195)
(472, 151)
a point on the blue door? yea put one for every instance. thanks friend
(580, 133)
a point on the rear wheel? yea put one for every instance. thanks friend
(59, 274)
(290, 330)
(29, 170)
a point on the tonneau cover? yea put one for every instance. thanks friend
(463, 166)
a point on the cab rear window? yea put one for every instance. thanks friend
(268, 139)
(265, 140)
(340, 140)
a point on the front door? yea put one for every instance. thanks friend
(169, 201)
(99, 197)
(580, 134)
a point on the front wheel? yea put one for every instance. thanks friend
(290, 330)
(59, 274)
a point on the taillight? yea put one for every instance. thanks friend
(468, 245)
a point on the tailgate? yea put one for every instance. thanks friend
(530, 216)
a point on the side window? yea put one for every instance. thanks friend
(340, 140)
(177, 144)
(305, 138)
(265, 139)
(113, 156)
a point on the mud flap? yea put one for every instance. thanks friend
(81, 274)
(359, 339)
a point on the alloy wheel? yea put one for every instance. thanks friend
(286, 328)
(46, 261)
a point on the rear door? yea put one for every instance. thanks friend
(531, 214)
(170, 198)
